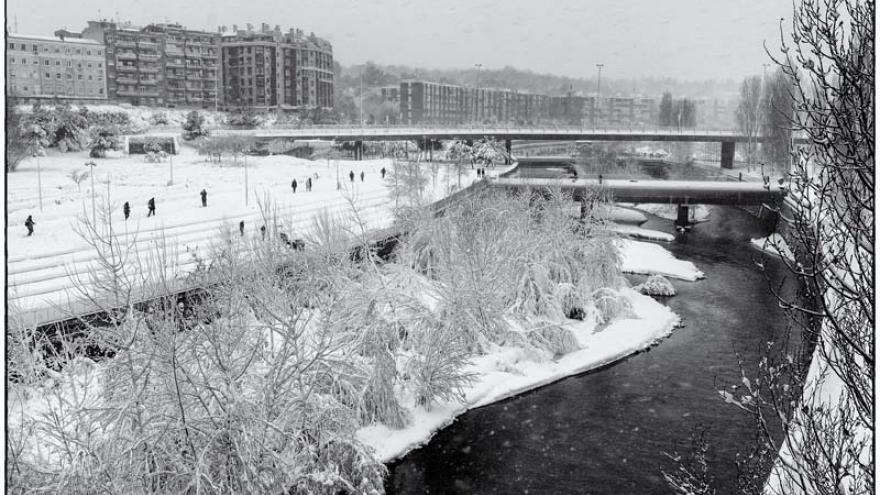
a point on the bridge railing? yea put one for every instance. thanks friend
(482, 129)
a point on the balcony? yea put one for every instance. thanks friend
(126, 56)
(150, 68)
(147, 45)
(148, 57)
(126, 68)
(126, 80)
(174, 63)
(149, 82)
(125, 43)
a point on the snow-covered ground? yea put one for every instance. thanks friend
(40, 266)
(699, 213)
(774, 244)
(640, 233)
(508, 372)
(650, 259)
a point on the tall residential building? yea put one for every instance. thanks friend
(274, 70)
(47, 67)
(160, 64)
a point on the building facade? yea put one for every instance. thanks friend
(423, 102)
(46, 67)
(274, 70)
(160, 64)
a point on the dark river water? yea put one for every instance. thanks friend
(606, 431)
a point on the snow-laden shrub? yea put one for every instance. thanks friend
(611, 305)
(555, 339)
(156, 157)
(159, 118)
(656, 285)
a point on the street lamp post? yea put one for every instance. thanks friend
(92, 164)
(477, 88)
(39, 181)
(598, 94)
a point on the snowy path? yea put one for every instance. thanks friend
(42, 268)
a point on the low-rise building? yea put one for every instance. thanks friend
(55, 67)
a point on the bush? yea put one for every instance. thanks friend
(103, 140)
(159, 118)
(656, 285)
(194, 127)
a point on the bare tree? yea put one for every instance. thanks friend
(825, 402)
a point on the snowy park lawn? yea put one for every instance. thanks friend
(40, 266)
(510, 371)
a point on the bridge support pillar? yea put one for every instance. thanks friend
(358, 150)
(728, 150)
(430, 144)
(682, 217)
(507, 148)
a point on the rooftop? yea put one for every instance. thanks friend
(80, 41)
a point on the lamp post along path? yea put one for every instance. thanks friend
(92, 164)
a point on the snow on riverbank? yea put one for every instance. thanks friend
(640, 233)
(509, 371)
(650, 259)
(774, 244)
(699, 213)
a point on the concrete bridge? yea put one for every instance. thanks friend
(678, 192)
(727, 138)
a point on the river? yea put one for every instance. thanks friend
(606, 431)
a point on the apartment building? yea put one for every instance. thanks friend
(159, 64)
(273, 70)
(55, 67)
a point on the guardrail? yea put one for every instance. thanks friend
(396, 128)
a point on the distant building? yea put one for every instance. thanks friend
(274, 70)
(423, 102)
(60, 67)
(390, 93)
(160, 64)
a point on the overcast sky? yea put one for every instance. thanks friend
(687, 39)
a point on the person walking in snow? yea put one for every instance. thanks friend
(204, 195)
(293, 185)
(151, 207)
(29, 223)
(126, 210)
(383, 172)
(362, 175)
(309, 184)
(263, 232)
(241, 227)
(351, 175)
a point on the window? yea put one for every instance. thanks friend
(79, 66)
(25, 88)
(99, 66)
(57, 75)
(90, 78)
(36, 62)
(58, 63)
(100, 91)
(12, 60)
(90, 66)
(78, 51)
(45, 62)
(58, 50)
(48, 75)
(99, 52)
(12, 46)
(67, 51)
(23, 61)
(80, 77)
(69, 63)
(70, 76)
(88, 52)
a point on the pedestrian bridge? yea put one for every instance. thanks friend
(370, 133)
(678, 192)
